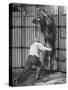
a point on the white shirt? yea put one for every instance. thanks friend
(36, 47)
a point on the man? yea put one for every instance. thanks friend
(33, 59)
(34, 53)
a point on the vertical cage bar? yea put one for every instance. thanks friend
(58, 40)
(21, 39)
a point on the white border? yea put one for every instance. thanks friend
(4, 42)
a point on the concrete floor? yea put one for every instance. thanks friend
(46, 78)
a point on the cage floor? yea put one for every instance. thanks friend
(46, 78)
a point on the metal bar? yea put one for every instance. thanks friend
(27, 47)
(58, 40)
(21, 38)
(17, 67)
(60, 15)
(59, 26)
(24, 36)
(64, 26)
(24, 27)
(35, 25)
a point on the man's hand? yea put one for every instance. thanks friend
(50, 49)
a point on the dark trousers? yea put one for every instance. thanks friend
(31, 60)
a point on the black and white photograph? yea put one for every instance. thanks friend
(37, 44)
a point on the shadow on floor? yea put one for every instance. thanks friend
(46, 77)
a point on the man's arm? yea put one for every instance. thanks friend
(44, 48)
(48, 49)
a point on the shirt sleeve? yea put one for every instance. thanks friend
(43, 48)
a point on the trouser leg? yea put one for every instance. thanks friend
(24, 74)
(38, 72)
